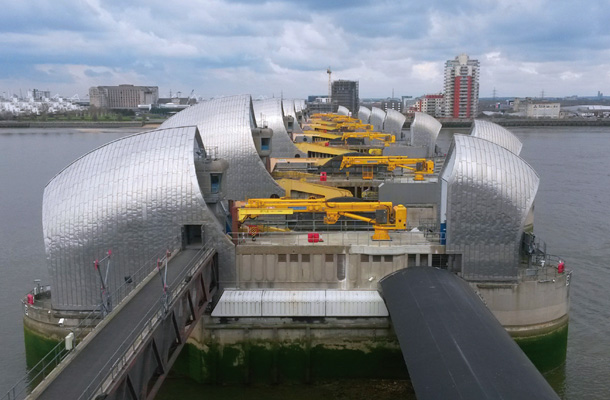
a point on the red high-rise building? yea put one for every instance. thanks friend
(461, 87)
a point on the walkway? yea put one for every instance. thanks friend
(99, 355)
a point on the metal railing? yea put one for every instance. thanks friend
(543, 268)
(340, 234)
(139, 335)
(44, 366)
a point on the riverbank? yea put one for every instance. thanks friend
(523, 122)
(451, 123)
(71, 124)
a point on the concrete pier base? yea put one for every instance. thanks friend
(285, 350)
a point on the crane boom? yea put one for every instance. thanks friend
(386, 138)
(387, 216)
(419, 166)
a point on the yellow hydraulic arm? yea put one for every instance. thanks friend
(352, 126)
(419, 166)
(387, 216)
(313, 189)
(386, 138)
(320, 136)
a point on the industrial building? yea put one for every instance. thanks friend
(123, 96)
(461, 87)
(346, 93)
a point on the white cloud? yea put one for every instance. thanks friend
(267, 47)
(570, 76)
(529, 69)
(428, 71)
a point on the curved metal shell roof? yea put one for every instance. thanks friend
(489, 193)
(377, 119)
(496, 134)
(424, 131)
(131, 196)
(342, 110)
(226, 124)
(394, 121)
(269, 112)
(364, 114)
(289, 107)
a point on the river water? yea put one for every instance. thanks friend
(571, 216)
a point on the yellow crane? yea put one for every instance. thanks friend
(337, 123)
(419, 166)
(318, 150)
(387, 216)
(386, 138)
(293, 187)
(353, 126)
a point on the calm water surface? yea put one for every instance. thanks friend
(571, 216)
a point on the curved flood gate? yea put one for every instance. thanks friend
(452, 344)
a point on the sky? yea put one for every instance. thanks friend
(224, 47)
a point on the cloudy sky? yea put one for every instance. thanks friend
(221, 47)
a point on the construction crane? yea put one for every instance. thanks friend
(338, 122)
(312, 190)
(387, 216)
(353, 126)
(419, 166)
(330, 90)
(386, 138)
(319, 136)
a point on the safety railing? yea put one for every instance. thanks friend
(44, 366)
(147, 324)
(544, 268)
(340, 236)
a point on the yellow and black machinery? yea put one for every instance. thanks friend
(419, 166)
(341, 138)
(337, 123)
(386, 138)
(387, 216)
(354, 126)
(300, 187)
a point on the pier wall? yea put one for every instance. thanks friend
(283, 350)
(529, 305)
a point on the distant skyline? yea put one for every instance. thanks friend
(284, 47)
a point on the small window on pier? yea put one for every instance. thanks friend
(341, 267)
(440, 261)
(364, 258)
(329, 258)
(281, 258)
(294, 258)
(265, 143)
(423, 260)
(411, 260)
(215, 183)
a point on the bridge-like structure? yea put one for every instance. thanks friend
(128, 355)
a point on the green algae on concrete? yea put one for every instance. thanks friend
(36, 346)
(378, 361)
(546, 351)
(352, 389)
(289, 362)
